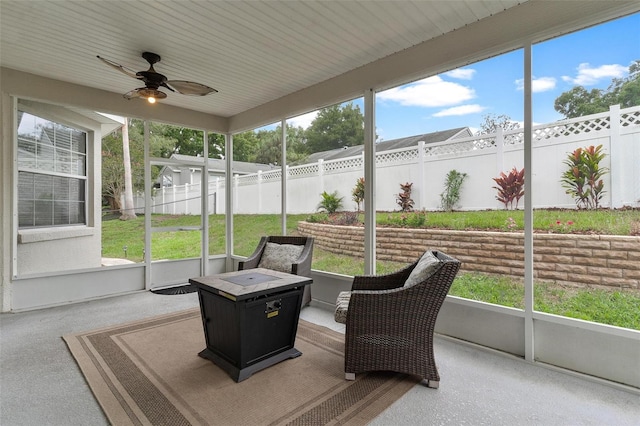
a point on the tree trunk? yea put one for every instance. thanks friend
(128, 211)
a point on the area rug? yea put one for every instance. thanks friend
(149, 372)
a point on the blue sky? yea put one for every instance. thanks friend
(590, 58)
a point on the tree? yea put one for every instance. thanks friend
(245, 145)
(579, 101)
(113, 159)
(270, 148)
(335, 127)
(493, 122)
(191, 142)
(128, 212)
(265, 146)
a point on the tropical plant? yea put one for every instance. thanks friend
(510, 188)
(358, 192)
(450, 197)
(404, 198)
(583, 178)
(330, 202)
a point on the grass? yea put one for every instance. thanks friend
(618, 308)
(605, 222)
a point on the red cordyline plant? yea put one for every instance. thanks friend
(583, 178)
(510, 188)
(404, 198)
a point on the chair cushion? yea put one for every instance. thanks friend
(342, 305)
(280, 257)
(427, 266)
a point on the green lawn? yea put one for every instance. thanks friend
(619, 308)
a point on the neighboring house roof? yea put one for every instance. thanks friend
(409, 141)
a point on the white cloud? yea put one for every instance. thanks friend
(303, 120)
(541, 84)
(462, 73)
(430, 92)
(460, 110)
(588, 75)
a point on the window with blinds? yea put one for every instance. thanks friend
(51, 173)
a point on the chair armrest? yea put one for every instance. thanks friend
(253, 260)
(302, 265)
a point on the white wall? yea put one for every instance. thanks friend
(481, 159)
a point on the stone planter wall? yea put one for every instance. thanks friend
(595, 260)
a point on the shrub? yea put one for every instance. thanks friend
(346, 218)
(583, 178)
(404, 198)
(510, 187)
(330, 202)
(451, 196)
(358, 192)
(317, 218)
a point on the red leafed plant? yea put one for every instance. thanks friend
(510, 188)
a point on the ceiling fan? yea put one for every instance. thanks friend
(153, 81)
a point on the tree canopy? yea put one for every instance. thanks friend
(579, 101)
(336, 126)
(491, 123)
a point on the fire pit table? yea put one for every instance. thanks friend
(250, 318)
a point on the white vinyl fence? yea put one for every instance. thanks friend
(482, 158)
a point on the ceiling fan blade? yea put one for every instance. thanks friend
(120, 68)
(190, 88)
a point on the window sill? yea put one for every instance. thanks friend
(26, 236)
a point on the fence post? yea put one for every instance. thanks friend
(499, 154)
(173, 199)
(187, 193)
(615, 157)
(321, 174)
(259, 191)
(499, 150)
(423, 183)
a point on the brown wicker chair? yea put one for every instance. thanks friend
(302, 265)
(390, 327)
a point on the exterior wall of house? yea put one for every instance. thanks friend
(52, 249)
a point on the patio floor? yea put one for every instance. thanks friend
(41, 383)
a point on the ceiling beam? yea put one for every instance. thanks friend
(42, 89)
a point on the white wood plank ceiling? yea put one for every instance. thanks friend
(253, 52)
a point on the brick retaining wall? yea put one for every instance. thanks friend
(595, 260)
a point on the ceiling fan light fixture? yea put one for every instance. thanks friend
(151, 95)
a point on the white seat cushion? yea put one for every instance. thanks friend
(427, 266)
(280, 257)
(342, 305)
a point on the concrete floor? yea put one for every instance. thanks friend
(40, 383)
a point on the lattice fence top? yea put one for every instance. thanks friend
(397, 156)
(338, 166)
(630, 117)
(304, 170)
(542, 133)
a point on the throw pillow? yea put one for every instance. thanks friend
(279, 257)
(427, 266)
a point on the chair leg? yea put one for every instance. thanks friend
(350, 376)
(433, 384)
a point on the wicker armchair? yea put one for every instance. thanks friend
(301, 266)
(390, 326)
